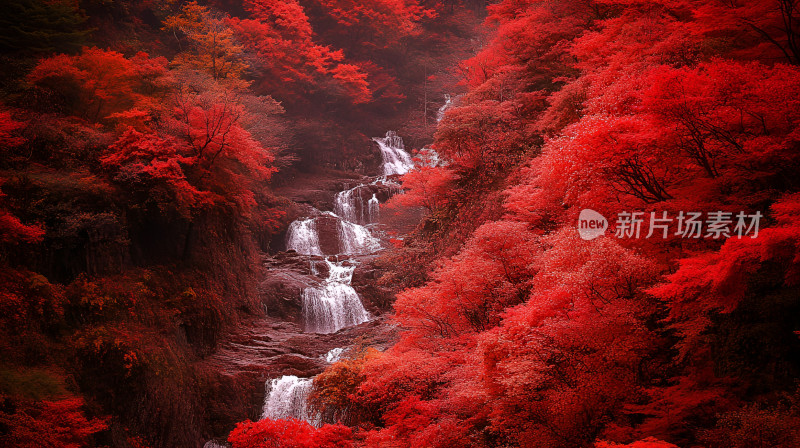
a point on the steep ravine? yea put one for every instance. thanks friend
(318, 290)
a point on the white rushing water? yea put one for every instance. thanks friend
(395, 158)
(288, 398)
(334, 355)
(374, 209)
(353, 205)
(302, 237)
(334, 304)
(356, 240)
(447, 102)
(348, 205)
(215, 444)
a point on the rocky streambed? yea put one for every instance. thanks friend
(319, 290)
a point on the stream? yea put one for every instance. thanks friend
(334, 304)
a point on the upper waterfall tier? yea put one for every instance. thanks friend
(395, 159)
(328, 234)
(361, 203)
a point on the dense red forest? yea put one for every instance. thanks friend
(596, 244)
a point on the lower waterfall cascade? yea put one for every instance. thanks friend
(288, 398)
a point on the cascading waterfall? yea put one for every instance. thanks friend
(395, 159)
(352, 205)
(356, 240)
(334, 304)
(347, 205)
(374, 209)
(447, 102)
(302, 237)
(288, 398)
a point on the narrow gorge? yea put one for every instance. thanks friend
(318, 291)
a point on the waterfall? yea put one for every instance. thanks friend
(374, 209)
(447, 102)
(395, 159)
(302, 237)
(356, 240)
(334, 355)
(344, 205)
(215, 444)
(288, 398)
(352, 205)
(334, 304)
(349, 205)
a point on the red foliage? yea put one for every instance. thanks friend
(559, 342)
(12, 230)
(469, 292)
(59, 423)
(98, 84)
(717, 281)
(8, 128)
(379, 23)
(289, 434)
(227, 157)
(650, 442)
(426, 186)
(280, 33)
(578, 340)
(154, 168)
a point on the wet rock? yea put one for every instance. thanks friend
(269, 348)
(377, 299)
(286, 275)
(328, 231)
(314, 189)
